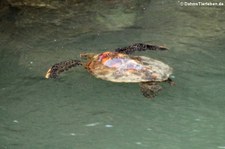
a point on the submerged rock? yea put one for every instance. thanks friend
(32, 3)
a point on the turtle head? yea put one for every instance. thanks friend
(87, 56)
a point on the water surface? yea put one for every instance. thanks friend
(80, 111)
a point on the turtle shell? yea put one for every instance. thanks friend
(118, 67)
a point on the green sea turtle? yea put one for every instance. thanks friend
(120, 66)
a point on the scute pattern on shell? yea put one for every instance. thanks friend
(148, 70)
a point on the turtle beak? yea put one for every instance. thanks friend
(47, 75)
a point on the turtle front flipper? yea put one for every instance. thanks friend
(56, 69)
(150, 89)
(139, 47)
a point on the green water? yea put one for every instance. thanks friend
(79, 111)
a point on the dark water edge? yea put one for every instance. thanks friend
(80, 111)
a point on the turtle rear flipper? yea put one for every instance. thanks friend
(170, 81)
(58, 68)
(150, 89)
(140, 47)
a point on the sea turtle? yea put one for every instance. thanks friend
(120, 66)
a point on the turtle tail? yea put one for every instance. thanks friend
(140, 47)
(56, 69)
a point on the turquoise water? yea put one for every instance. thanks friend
(80, 111)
